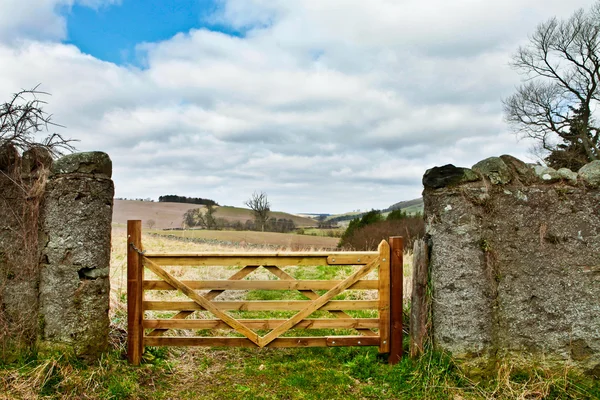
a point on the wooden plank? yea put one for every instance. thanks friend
(352, 258)
(317, 304)
(258, 254)
(261, 285)
(242, 273)
(201, 301)
(420, 302)
(135, 294)
(384, 297)
(339, 341)
(316, 341)
(280, 259)
(316, 323)
(265, 305)
(281, 274)
(397, 274)
(236, 261)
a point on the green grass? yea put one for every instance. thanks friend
(313, 373)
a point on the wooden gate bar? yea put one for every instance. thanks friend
(311, 341)
(397, 272)
(222, 285)
(309, 323)
(261, 305)
(282, 259)
(135, 293)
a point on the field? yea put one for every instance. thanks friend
(290, 241)
(231, 373)
(170, 215)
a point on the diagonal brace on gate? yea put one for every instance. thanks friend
(247, 270)
(200, 300)
(312, 295)
(316, 304)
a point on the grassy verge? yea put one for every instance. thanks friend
(320, 373)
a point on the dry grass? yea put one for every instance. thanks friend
(242, 239)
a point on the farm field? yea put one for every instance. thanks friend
(286, 240)
(170, 215)
(241, 373)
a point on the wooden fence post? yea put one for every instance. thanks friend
(135, 277)
(396, 272)
(384, 297)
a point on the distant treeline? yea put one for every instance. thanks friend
(345, 218)
(172, 198)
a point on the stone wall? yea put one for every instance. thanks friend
(54, 251)
(515, 261)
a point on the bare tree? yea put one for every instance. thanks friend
(22, 118)
(206, 217)
(201, 217)
(150, 223)
(561, 66)
(259, 204)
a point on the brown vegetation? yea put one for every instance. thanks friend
(369, 236)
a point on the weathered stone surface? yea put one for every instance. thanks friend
(452, 226)
(19, 270)
(74, 285)
(95, 163)
(74, 311)
(590, 173)
(9, 157)
(517, 272)
(35, 159)
(567, 175)
(66, 222)
(448, 175)
(546, 174)
(494, 169)
(519, 170)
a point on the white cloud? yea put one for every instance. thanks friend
(326, 106)
(39, 19)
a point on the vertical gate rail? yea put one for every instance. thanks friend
(149, 332)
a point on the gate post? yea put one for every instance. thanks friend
(397, 272)
(135, 277)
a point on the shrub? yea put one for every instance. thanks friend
(368, 237)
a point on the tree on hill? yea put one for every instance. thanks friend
(357, 223)
(259, 204)
(203, 217)
(561, 65)
(396, 215)
(172, 198)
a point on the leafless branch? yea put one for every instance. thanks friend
(23, 118)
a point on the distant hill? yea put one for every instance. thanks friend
(170, 215)
(410, 206)
(413, 206)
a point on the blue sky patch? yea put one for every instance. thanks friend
(111, 33)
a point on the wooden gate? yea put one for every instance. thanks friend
(385, 331)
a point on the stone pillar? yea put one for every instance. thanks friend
(515, 262)
(75, 247)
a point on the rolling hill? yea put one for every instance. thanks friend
(170, 215)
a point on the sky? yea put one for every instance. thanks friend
(327, 106)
